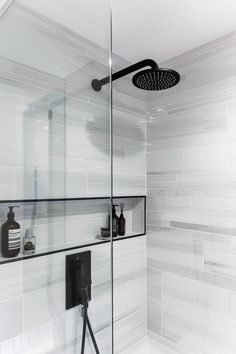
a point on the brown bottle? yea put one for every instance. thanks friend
(121, 221)
(114, 221)
(10, 236)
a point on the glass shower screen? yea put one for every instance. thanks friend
(55, 166)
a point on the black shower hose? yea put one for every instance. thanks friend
(86, 323)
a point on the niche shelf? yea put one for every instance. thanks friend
(67, 224)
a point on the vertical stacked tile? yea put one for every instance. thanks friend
(191, 205)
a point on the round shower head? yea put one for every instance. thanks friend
(156, 79)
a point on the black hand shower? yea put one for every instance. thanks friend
(149, 79)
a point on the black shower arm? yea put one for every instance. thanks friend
(97, 84)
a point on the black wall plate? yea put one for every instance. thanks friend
(78, 277)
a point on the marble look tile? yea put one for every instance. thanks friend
(154, 283)
(154, 311)
(186, 123)
(129, 274)
(176, 250)
(204, 228)
(199, 287)
(134, 325)
(196, 336)
(12, 284)
(11, 314)
(188, 300)
(172, 216)
(170, 201)
(220, 259)
(191, 197)
(42, 321)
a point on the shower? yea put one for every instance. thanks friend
(153, 79)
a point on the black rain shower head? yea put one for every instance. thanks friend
(153, 79)
(156, 79)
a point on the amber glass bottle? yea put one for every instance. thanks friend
(10, 236)
(114, 221)
(121, 220)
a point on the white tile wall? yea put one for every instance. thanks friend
(32, 302)
(33, 319)
(191, 204)
(129, 262)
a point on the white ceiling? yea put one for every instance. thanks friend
(162, 29)
(159, 29)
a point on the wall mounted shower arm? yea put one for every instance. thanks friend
(97, 84)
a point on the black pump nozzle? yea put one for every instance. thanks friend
(11, 214)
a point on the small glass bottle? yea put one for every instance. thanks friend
(29, 242)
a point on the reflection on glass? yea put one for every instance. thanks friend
(50, 151)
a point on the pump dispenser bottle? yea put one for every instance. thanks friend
(10, 236)
(121, 220)
(115, 226)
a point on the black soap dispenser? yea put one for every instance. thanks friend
(10, 236)
(115, 223)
